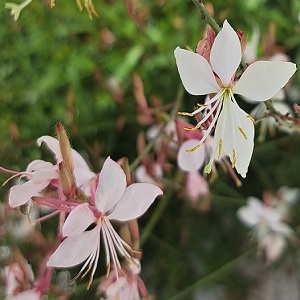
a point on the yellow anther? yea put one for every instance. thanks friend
(243, 133)
(251, 118)
(185, 114)
(201, 105)
(193, 128)
(193, 149)
(220, 147)
(233, 158)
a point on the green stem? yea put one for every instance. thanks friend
(208, 19)
(212, 277)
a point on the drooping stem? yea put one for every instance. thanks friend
(208, 19)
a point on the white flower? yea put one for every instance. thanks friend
(114, 201)
(269, 229)
(234, 131)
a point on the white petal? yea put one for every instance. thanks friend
(250, 214)
(225, 55)
(263, 79)
(75, 249)
(135, 201)
(195, 73)
(22, 193)
(52, 144)
(82, 172)
(111, 187)
(233, 139)
(191, 161)
(78, 220)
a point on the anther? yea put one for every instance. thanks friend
(233, 158)
(193, 128)
(251, 118)
(193, 149)
(185, 114)
(220, 147)
(243, 133)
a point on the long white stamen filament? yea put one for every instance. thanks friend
(118, 241)
(212, 100)
(206, 116)
(212, 122)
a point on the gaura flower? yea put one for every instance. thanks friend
(268, 227)
(234, 132)
(114, 201)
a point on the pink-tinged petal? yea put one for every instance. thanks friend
(225, 55)
(196, 186)
(135, 201)
(75, 249)
(52, 144)
(191, 161)
(22, 193)
(44, 175)
(37, 164)
(26, 295)
(195, 73)
(111, 187)
(78, 220)
(263, 79)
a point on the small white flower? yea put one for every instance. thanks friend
(234, 131)
(268, 227)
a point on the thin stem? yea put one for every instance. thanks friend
(212, 277)
(208, 19)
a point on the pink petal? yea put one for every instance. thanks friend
(135, 201)
(263, 79)
(191, 161)
(111, 187)
(195, 73)
(52, 144)
(225, 55)
(27, 295)
(75, 249)
(196, 185)
(78, 220)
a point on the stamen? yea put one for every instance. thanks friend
(220, 147)
(193, 149)
(251, 118)
(201, 105)
(182, 113)
(233, 158)
(193, 128)
(243, 132)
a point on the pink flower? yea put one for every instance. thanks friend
(114, 201)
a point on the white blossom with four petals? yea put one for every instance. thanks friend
(234, 132)
(114, 201)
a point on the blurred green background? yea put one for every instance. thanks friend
(58, 65)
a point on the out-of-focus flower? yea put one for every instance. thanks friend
(268, 227)
(114, 201)
(234, 131)
(16, 8)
